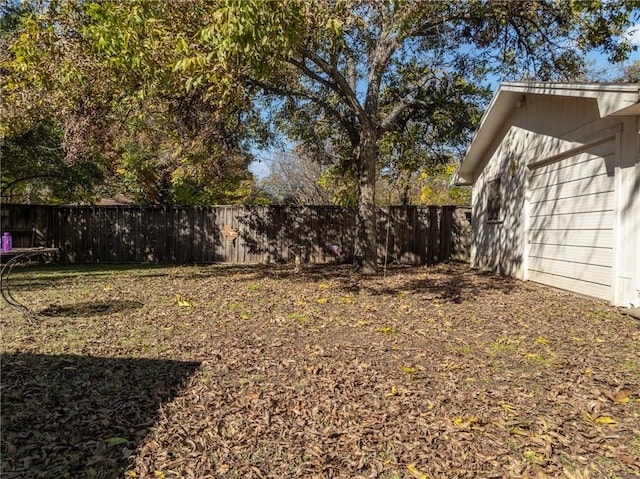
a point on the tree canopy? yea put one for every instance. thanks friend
(364, 87)
(105, 73)
(350, 75)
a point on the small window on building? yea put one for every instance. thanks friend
(494, 200)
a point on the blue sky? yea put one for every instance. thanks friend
(616, 70)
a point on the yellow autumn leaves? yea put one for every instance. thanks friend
(415, 472)
(344, 299)
(182, 301)
(599, 420)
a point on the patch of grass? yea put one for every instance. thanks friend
(538, 359)
(465, 350)
(503, 349)
(299, 318)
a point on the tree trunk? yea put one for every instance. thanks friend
(366, 243)
(406, 186)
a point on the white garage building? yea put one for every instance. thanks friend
(555, 170)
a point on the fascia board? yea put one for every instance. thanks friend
(611, 99)
(492, 120)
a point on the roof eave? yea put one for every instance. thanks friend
(613, 99)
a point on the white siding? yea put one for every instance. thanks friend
(571, 224)
(591, 202)
(571, 189)
(589, 238)
(573, 254)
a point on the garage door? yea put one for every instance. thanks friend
(571, 222)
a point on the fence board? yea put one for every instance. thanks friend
(186, 235)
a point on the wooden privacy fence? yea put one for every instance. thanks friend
(235, 234)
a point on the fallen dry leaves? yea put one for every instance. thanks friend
(256, 372)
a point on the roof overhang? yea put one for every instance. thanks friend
(612, 100)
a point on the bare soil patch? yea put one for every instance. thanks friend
(261, 372)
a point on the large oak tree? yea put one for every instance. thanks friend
(355, 71)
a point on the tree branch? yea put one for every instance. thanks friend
(395, 113)
(337, 114)
(404, 104)
(19, 180)
(385, 46)
(342, 85)
(313, 75)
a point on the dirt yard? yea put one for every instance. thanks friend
(261, 372)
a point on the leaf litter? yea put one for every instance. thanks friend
(262, 372)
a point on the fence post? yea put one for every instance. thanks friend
(446, 220)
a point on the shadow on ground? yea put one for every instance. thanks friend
(456, 284)
(449, 282)
(90, 308)
(77, 416)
